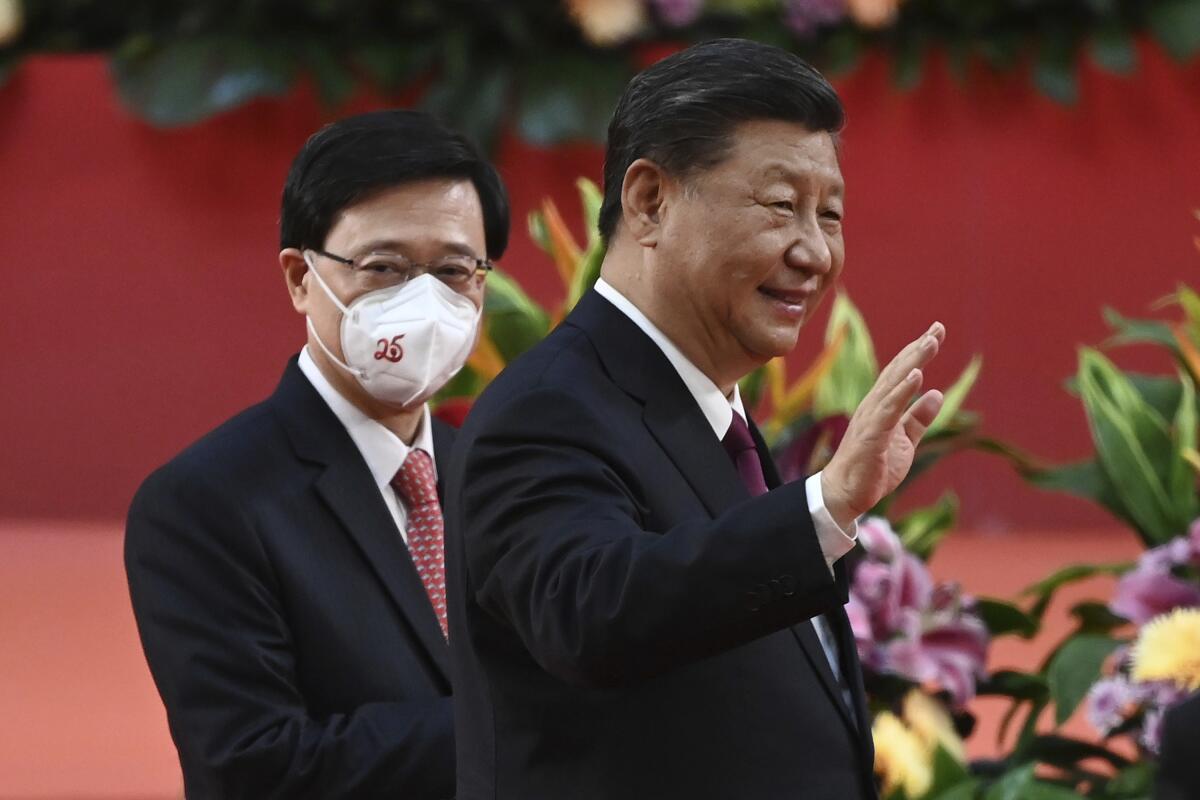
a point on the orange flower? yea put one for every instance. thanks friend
(873, 13)
(608, 22)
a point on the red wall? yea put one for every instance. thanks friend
(142, 303)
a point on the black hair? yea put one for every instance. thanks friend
(680, 113)
(355, 157)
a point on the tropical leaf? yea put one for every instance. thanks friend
(587, 270)
(513, 321)
(854, 370)
(1132, 445)
(921, 530)
(1073, 670)
(788, 403)
(1181, 483)
(1137, 331)
(955, 395)
(1005, 618)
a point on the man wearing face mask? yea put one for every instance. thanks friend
(287, 570)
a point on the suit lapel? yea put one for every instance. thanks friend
(806, 634)
(671, 414)
(347, 487)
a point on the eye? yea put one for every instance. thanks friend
(382, 266)
(833, 215)
(784, 205)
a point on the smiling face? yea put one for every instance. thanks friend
(744, 252)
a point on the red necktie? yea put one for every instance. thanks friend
(739, 444)
(418, 489)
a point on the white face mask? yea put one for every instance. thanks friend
(404, 342)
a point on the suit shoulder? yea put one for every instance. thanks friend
(239, 448)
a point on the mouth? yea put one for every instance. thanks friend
(791, 303)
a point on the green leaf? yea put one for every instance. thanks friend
(1012, 785)
(854, 370)
(1044, 589)
(1054, 70)
(1113, 49)
(908, 62)
(1136, 780)
(569, 97)
(1132, 444)
(842, 50)
(1017, 685)
(955, 395)
(963, 791)
(514, 322)
(948, 772)
(335, 83)
(1181, 482)
(1003, 618)
(1095, 617)
(1066, 752)
(182, 81)
(1176, 26)
(922, 529)
(752, 386)
(589, 266)
(471, 97)
(1138, 331)
(1085, 479)
(1074, 669)
(391, 67)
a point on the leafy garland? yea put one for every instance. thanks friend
(552, 69)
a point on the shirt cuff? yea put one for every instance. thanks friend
(835, 542)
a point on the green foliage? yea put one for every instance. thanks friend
(514, 322)
(485, 65)
(855, 368)
(921, 530)
(1073, 670)
(1005, 618)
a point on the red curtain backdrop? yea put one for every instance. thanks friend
(143, 304)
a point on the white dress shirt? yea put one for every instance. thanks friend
(719, 410)
(383, 451)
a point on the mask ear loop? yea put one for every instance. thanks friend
(357, 373)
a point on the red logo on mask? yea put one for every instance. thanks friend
(392, 351)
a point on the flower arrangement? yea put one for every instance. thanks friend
(550, 70)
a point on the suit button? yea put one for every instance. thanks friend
(757, 597)
(785, 585)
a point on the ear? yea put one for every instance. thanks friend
(294, 271)
(643, 193)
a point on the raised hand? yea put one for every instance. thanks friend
(878, 449)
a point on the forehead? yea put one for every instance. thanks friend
(442, 210)
(765, 150)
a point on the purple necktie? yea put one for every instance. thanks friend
(739, 444)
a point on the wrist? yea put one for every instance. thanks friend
(835, 502)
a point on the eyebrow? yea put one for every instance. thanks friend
(780, 169)
(398, 246)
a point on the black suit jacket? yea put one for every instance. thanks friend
(1179, 762)
(627, 622)
(285, 626)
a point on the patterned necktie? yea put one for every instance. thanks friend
(418, 489)
(739, 444)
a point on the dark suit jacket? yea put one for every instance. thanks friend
(287, 630)
(627, 622)
(1179, 762)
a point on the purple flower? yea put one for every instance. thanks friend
(678, 13)
(804, 17)
(1143, 594)
(1107, 702)
(1151, 736)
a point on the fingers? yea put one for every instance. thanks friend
(921, 415)
(915, 355)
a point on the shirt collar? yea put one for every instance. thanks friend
(383, 450)
(716, 407)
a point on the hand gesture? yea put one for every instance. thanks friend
(878, 449)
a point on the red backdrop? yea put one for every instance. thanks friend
(143, 305)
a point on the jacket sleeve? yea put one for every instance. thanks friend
(555, 547)
(218, 645)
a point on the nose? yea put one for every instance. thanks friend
(809, 251)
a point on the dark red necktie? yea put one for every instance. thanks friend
(417, 487)
(739, 444)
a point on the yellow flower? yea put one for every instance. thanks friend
(608, 22)
(873, 13)
(900, 756)
(10, 21)
(1168, 649)
(932, 725)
